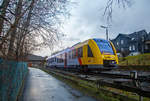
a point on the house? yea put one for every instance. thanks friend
(34, 60)
(134, 42)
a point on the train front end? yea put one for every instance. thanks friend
(107, 53)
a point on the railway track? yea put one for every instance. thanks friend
(141, 85)
(141, 76)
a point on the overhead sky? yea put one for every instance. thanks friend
(87, 17)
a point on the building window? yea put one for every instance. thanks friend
(122, 42)
(118, 43)
(146, 47)
(130, 48)
(133, 47)
(132, 39)
(90, 54)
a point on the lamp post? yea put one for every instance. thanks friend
(106, 31)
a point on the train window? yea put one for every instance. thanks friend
(80, 52)
(61, 58)
(69, 54)
(76, 52)
(73, 53)
(58, 60)
(90, 54)
(54, 59)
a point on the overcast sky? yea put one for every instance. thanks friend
(86, 19)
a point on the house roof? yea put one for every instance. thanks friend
(132, 35)
(120, 34)
(32, 57)
(139, 33)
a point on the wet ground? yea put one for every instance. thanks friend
(40, 86)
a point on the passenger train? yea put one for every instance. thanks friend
(90, 54)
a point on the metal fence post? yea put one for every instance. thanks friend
(140, 98)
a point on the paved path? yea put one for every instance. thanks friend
(41, 86)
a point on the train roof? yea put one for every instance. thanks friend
(79, 44)
(60, 52)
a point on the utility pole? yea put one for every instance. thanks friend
(106, 31)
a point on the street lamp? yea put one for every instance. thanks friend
(106, 31)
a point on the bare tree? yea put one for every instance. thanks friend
(24, 20)
(110, 5)
(3, 8)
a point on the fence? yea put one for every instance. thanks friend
(12, 74)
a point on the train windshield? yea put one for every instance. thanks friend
(104, 46)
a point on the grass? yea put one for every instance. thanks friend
(129, 94)
(91, 89)
(138, 62)
(141, 59)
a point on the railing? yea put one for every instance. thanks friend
(12, 74)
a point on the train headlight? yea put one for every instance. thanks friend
(113, 62)
(102, 56)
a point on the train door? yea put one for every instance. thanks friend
(65, 62)
(84, 54)
(90, 57)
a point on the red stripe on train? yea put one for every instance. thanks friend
(80, 62)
